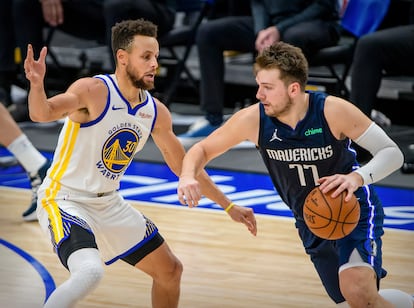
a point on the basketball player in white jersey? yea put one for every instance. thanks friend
(108, 119)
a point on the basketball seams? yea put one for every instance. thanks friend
(326, 203)
(338, 216)
(347, 223)
(318, 207)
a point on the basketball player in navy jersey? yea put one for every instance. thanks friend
(108, 119)
(304, 139)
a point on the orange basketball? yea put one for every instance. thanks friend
(330, 218)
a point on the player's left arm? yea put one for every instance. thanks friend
(346, 120)
(173, 153)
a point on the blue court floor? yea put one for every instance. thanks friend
(154, 182)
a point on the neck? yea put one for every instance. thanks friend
(133, 95)
(297, 111)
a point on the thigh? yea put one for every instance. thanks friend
(312, 35)
(324, 257)
(228, 33)
(84, 19)
(366, 237)
(395, 46)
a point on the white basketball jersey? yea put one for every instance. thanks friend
(93, 156)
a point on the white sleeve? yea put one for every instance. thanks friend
(387, 156)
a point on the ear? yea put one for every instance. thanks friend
(121, 56)
(294, 89)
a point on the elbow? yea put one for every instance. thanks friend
(35, 117)
(40, 115)
(395, 158)
(399, 159)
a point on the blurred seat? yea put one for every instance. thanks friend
(178, 44)
(70, 57)
(337, 61)
(358, 17)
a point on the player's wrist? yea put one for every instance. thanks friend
(229, 207)
(359, 178)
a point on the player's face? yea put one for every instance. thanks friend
(273, 93)
(142, 62)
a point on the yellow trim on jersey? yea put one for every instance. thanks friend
(58, 170)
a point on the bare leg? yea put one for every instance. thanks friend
(9, 130)
(359, 287)
(165, 269)
(12, 137)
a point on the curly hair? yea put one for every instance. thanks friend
(123, 33)
(288, 59)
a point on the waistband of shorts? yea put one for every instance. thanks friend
(86, 194)
(81, 193)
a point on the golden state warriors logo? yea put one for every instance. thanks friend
(119, 149)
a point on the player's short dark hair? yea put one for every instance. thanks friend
(288, 59)
(123, 33)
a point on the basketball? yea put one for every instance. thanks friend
(330, 218)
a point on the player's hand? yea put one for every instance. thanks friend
(267, 37)
(245, 216)
(35, 70)
(188, 190)
(340, 182)
(52, 12)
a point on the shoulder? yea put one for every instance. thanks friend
(336, 106)
(91, 94)
(163, 119)
(88, 85)
(343, 117)
(161, 108)
(244, 123)
(250, 112)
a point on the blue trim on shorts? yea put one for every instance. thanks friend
(137, 246)
(366, 237)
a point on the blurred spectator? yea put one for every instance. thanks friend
(80, 18)
(86, 19)
(160, 12)
(8, 68)
(310, 25)
(384, 52)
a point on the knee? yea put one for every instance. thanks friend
(358, 287)
(206, 35)
(89, 274)
(367, 46)
(176, 270)
(172, 274)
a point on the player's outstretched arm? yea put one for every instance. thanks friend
(190, 190)
(200, 184)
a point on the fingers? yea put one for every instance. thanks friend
(43, 53)
(52, 12)
(338, 183)
(250, 222)
(28, 62)
(349, 195)
(189, 196)
(330, 183)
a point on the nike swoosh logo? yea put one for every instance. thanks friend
(117, 108)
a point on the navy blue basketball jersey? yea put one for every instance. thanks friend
(297, 157)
